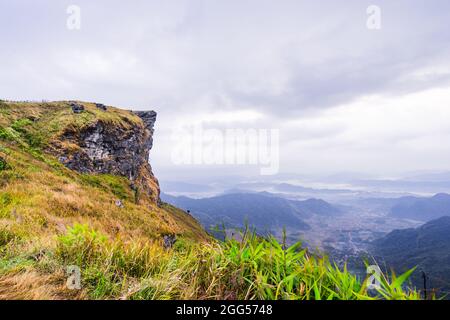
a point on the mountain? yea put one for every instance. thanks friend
(264, 211)
(286, 187)
(72, 161)
(422, 209)
(318, 207)
(427, 247)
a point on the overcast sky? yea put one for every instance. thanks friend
(344, 98)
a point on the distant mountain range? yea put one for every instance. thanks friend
(427, 247)
(263, 211)
(422, 209)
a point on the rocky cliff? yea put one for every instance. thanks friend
(114, 148)
(69, 162)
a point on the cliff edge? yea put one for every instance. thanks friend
(120, 147)
(70, 162)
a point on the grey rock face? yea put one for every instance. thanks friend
(169, 241)
(107, 149)
(101, 106)
(149, 118)
(113, 149)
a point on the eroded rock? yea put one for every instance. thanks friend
(108, 148)
(76, 107)
(169, 241)
(101, 106)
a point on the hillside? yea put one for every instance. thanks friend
(107, 151)
(262, 211)
(60, 168)
(422, 209)
(427, 247)
(77, 193)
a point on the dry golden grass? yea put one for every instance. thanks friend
(40, 198)
(44, 199)
(31, 285)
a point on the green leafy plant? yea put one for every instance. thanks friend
(252, 268)
(3, 164)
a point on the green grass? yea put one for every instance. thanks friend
(255, 268)
(9, 134)
(7, 236)
(119, 186)
(36, 125)
(3, 164)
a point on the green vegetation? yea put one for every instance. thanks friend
(254, 268)
(35, 125)
(3, 164)
(6, 236)
(119, 186)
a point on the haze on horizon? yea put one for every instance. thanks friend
(343, 97)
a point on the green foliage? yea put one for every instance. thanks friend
(80, 245)
(9, 134)
(5, 199)
(32, 137)
(394, 289)
(254, 268)
(19, 125)
(7, 236)
(22, 132)
(3, 164)
(117, 185)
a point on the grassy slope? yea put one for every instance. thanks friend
(52, 217)
(40, 198)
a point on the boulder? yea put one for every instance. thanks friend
(76, 107)
(169, 241)
(101, 106)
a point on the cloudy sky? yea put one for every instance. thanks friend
(344, 98)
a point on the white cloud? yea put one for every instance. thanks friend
(376, 133)
(343, 97)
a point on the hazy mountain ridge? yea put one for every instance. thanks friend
(427, 247)
(422, 209)
(264, 211)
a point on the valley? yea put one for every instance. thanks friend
(351, 228)
(344, 226)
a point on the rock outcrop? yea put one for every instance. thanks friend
(76, 107)
(108, 148)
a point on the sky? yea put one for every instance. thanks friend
(340, 96)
